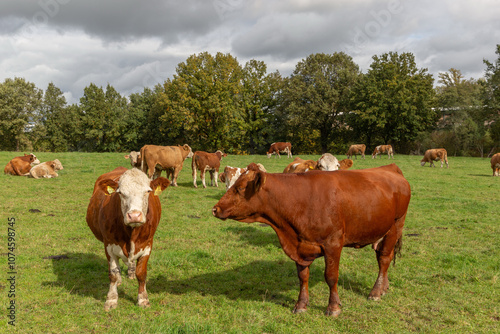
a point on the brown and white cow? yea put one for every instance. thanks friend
(299, 165)
(204, 161)
(280, 147)
(21, 166)
(383, 149)
(155, 158)
(435, 154)
(355, 150)
(328, 162)
(231, 174)
(346, 163)
(46, 169)
(135, 159)
(318, 213)
(123, 213)
(495, 164)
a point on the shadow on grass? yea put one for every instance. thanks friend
(255, 236)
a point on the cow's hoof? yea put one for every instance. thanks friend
(299, 310)
(144, 303)
(375, 298)
(332, 313)
(110, 304)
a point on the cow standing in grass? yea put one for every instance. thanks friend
(435, 154)
(354, 150)
(280, 147)
(383, 149)
(207, 162)
(495, 164)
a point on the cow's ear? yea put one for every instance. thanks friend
(254, 185)
(159, 184)
(108, 186)
(127, 156)
(222, 177)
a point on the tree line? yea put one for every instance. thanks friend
(213, 102)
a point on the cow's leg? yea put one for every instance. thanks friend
(141, 273)
(215, 176)
(115, 279)
(202, 177)
(194, 176)
(332, 259)
(175, 173)
(303, 301)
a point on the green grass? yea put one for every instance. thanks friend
(211, 276)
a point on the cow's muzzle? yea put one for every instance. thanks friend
(135, 218)
(216, 211)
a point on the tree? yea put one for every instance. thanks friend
(492, 98)
(317, 98)
(393, 102)
(19, 111)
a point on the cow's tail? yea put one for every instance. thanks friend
(397, 249)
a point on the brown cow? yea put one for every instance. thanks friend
(495, 164)
(280, 147)
(231, 174)
(123, 213)
(21, 165)
(318, 213)
(299, 165)
(204, 161)
(435, 154)
(355, 150)
(135, 159)
(346, 163)
(155, 158)
(382, 149)
(46, 169)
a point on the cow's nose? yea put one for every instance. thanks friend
(214, 211)
(134, 216)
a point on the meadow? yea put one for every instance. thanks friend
(211, 276)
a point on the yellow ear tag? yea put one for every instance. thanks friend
(311, 167)
(110, 190)
(158, 191)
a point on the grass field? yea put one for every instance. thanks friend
(211, 276)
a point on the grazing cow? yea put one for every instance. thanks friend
(346, 163)
(280, 147)
(382, 149)
(328, 162)
(155, 158)
(435, 154)
(123, 213)
(135, 159)
(204, 161)
(495, 164)
(231, 174)
(318, 213)
(46, 169)
(299, 165)
(355, 150)
(21, 165)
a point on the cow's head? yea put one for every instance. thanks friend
(220, 154)
(33, 159)
(135, 189)
(134, 157)
(188, 149)
(328, 162)
(238, 202)
(56, 164)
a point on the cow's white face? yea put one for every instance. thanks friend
(134, 188)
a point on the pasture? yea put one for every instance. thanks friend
(211, 276)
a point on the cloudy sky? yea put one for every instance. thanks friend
(133, 44)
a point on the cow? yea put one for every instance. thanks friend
(346, 163)
(231, 174)
(383, 149)
(155, 158)
(435, 154)
(123, 213)
(318, 213)
(280, 147)
(495, 164)
(328, 162)
(46, 169)
(355, 150)
(204, 161)
(21, 166)
(135, 159)
(299, 165)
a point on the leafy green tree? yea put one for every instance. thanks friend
(492, 99)
(317, 98)
(20, 103)
(394, 101)
(139, 108)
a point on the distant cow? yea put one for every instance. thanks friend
(135, 159)
(318, 213)
(123, 213)
(383, 149)
(435, 154)
(280, 147)
(155, 158)
(354, 150)
(231, 174)
(495, 164)
(299, 165)
(46, 169)
(21, 166)
(328, 162)
(204, 161)
(345, 163)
